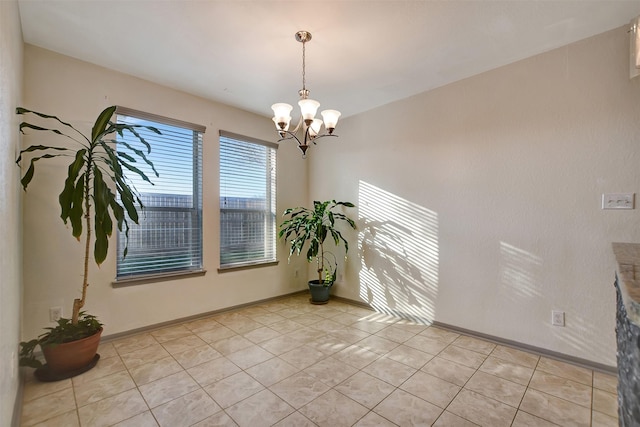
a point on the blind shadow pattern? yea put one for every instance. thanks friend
(398, 244)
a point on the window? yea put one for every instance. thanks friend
(168, 238)
(247, 201)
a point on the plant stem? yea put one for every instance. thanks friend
(78, 303)
(320, 263)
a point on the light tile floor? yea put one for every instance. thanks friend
(290, 363)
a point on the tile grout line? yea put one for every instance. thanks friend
(378, 357)
(461, 387)
(136, 384)
(533, 372)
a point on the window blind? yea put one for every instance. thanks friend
(168, 238)
(247, 201)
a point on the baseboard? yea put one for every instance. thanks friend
(497, 340)
(168, 323)
(533, 349)
(514, 344)
(16, 419)
(353, 302)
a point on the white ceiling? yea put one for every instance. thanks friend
(363, 54)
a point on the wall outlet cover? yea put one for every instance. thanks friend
(55, 313)
(557, 318)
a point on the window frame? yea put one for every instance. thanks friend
(196, 194)
(271, 190)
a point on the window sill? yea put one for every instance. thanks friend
(151, 278)
(247, 266)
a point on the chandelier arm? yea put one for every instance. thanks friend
(322, 136)
(291, 136)
(298, 125)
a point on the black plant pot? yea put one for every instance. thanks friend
(319, 291)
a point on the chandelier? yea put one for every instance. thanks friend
(309, 128)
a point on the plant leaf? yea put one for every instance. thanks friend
(37, 148)
(102, 122)
(28, 175)
(140, 153)
(102, 222)
(126, 156)
(127, 198)
(66, 197)
(35, 127)
(21, 110)
(77, 207)
(85, 184)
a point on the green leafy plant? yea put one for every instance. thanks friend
(64, 332)
(311, 227)
(95, 191)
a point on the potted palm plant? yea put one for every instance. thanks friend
(311, 227)
(96, 193)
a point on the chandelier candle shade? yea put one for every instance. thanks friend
(309, 127)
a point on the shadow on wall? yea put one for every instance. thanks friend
(522, 287)
(398, 244)
(519, 273)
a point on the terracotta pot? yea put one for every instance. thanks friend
(71, 356)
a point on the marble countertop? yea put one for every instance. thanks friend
(628, 260)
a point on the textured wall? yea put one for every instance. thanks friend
(479, 202)
(10, 225)
(78, 91)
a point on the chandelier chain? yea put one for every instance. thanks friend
(304, 88)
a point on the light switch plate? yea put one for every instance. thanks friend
(618, 201)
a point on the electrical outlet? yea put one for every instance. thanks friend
(557, 318)
(55, 313)
(618, 201)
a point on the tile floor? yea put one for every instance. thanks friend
(290, 363)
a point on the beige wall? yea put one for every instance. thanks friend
(77, 92)
(479, 202)
(10, 225)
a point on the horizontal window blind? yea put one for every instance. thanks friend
(247, 201)
(168, 237)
